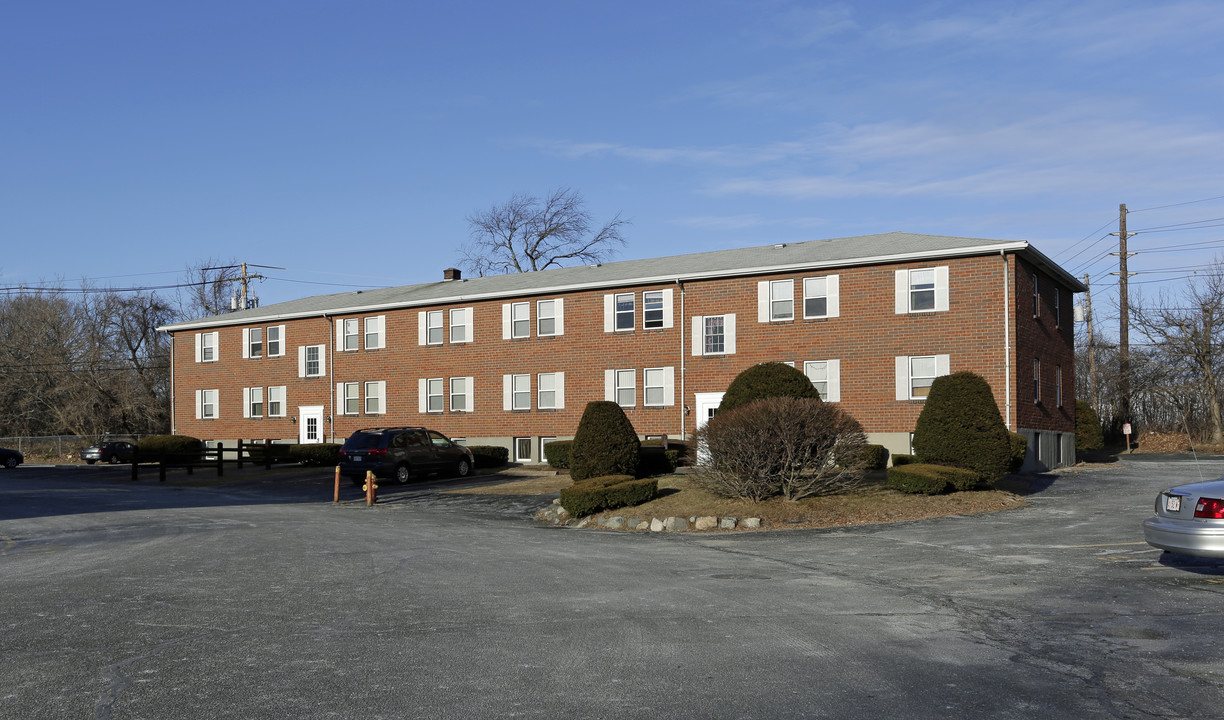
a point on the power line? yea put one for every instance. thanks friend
(1188, 202)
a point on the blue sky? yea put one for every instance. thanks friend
(348, 142)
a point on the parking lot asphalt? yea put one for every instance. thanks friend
(259, 598)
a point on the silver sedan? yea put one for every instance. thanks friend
(1189, 519)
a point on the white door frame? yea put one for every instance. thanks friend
(306, 434)
(706, 404)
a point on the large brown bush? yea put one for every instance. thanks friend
(793, 447)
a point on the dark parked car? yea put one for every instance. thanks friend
(112, 452)
(11, 458)
(402, 453)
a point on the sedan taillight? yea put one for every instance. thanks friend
(1209, 508)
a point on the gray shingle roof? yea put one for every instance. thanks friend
(783, 257)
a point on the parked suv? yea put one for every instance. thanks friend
(402, 453)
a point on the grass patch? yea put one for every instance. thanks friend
(545, 485)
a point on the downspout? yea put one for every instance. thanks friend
(331, 386)
(173, 417)
(683, 397)
(1007, 376)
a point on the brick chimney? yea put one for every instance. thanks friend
(450, 274)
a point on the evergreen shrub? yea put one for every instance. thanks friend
(170, 448)
(489, 456)
(1019, 450)
(875, 457)
(655, 460)
(557, 453)
(960, 426)
(1088, 434)
(604, 444)
(922, 479)
(902, 459)
(606, 493)
(766, 380)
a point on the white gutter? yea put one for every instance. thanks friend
(683, 328)
(1007, 381)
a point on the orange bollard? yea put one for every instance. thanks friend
(336, 498)
(370, 487)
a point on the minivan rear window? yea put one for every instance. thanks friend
(363, 441)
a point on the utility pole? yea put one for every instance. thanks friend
(1092, 371)
(1124, 389)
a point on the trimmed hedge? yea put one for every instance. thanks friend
(486, 456)
(326, 454)
(766, 380)
(170, 448)
(654, 460)
(960, 425)
(605, 443)
(923, 479)
(875, 457)
(557, 453)
(607, 492)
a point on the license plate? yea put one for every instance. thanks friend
(357, 458)
(1173, 503)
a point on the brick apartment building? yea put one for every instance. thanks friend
(512, 360)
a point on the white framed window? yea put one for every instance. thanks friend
(252, 402)
(461, 394)
(516, 391)
(348, 333)
(658, 386)
(276, 401)
(543, 442)
(348, 398)
(206, 348)
(1036, 380)
(922, 290)
(516, 320)
(1058, 396)
(433, 327)
(276, 341)
(652, 310)
(461, 325)
(775, 300)
(550, 391)
(252, 342)
(430, 395)
(311, 361)
(714, 335)
(822, 297)
(206, 404)
(375, 332)
(550, 317)
(375, 397)
(624, 310)
(1036, 296)
(915, 373)
(522, 449)
(826, 378)
(620, 387)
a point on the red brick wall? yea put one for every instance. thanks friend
(866, 338)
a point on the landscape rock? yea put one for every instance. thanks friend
(672, 524)
(614, 523)
(656, 525)
(727, 523)
(752, 523)
(705, 523)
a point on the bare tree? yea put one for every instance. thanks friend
(1187, 331)
(207, 288)
(527, 233)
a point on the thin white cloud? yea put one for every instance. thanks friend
(747, 222)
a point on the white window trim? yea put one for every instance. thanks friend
(728, 334)
(465, 317)
(215, 345)
(508, 321)
(765, 313)
(248, 399)
(342, 334)
(467, 394)
(668, 312)
(669, 386)
(423, 327)
(902, 291)
(423, 395)
(246, 343)
(611, 387)
(201, 396)
(942, 367)
(280, 331)
(508, 392)
(610, 313)
(558, 317)
(558, 391)
(376, 326)
(832, 379)
(302, 361)
(275, 389)
(342, 397)
(832, 297)
(379, 394)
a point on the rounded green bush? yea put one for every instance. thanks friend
(604, 444)
(766, 380)
(1088, 434)
(960, 426)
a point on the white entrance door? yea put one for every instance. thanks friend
(707, 404)
(310, 424)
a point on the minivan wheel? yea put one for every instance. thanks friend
(402, 474)
(464, 468)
